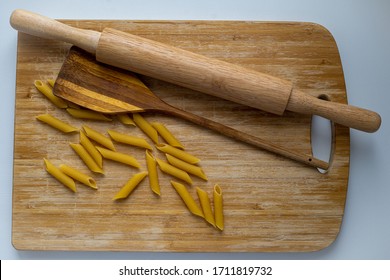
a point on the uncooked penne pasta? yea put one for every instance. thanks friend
(146, 127)
(152, 170)
(130, 185)
(167, 135)
(51, 82)
(99, 137)
(218, 207)
(129, 140)
(187, 199)
(91, 149)
(174, 171)
(124, 118)
(47, 91)
(187, 167)
(56, 123)
(78, 176)
(87, 114)
(59, 175)
(206, 206)
(86, 158)
(178, 153)
(119, 157)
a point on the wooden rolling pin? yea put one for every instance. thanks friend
(184, 68)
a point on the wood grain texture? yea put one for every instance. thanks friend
(271, 204)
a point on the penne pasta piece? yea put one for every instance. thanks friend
(51, 82)
(168, 149)
(86, 158)
(78, 176)
(99, 138)
(218, 207)
(125, 119)
(47, 91)
(130, 185)
(129, 140)
(174, 171)
(146, 127)
(87, 114)
(91, 149)
(167, 135)
(152, 170)
(206, 206)
(187, 199)
(59, 175)
(119, 157)
(56, 123)
(187, 167)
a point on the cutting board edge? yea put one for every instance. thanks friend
(22, 248)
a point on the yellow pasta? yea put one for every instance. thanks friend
(119, 157)
(47, 91)
(146, 127)
(59, 175)
(178, 153)
(187, 199)
(78, 176)
(91, 149)
(129, 140)
(87, 114)
(180, 163)
(206, 207)
(167, 135)
(99, 138)
(86, 158)
(218, 207)
(187, 167)
(51, 82)
(174, 171)
(56, 123)
(130, 185)
(152, 170)
(125, 119)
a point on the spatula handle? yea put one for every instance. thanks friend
(351, 116)
(246, 138)
(44, 27)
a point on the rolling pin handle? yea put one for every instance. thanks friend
(344, 114)
(48, 28)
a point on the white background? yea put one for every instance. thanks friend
(361, 30)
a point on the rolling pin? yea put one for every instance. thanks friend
(194, 71)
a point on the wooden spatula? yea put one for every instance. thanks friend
(99, 87)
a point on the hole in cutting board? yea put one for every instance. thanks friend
(322, 138)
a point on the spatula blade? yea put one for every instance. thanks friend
(99, 87)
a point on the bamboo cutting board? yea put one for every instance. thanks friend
(271, 204)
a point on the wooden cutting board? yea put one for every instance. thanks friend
(271, 204)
